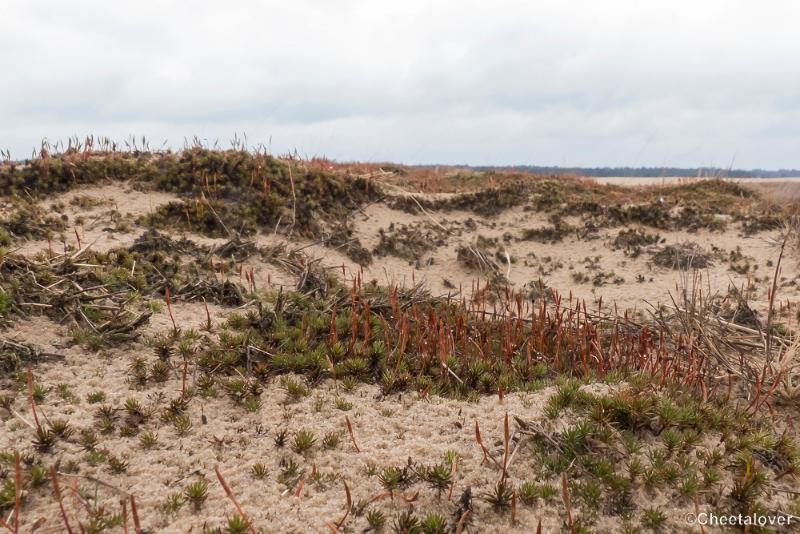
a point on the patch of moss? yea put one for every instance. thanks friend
(409, 242)
(247, 191)
(682, 256)
(631, 240)
(548, 234)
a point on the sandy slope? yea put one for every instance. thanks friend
(388, 430)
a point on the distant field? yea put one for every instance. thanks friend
(652, 180)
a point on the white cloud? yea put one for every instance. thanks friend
(500, 82)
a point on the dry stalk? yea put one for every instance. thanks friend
(350, 431)
(299, 489)
(232, 498)
(208, 315)
(167, 300)
(428, 215)
(57, 493)
(348, 507)
(772, 293)
(137, 525)
(486, 453)
(96, 481)
(567, 502)
(392, 495)
(462, 521)
(453, 470)
(506, 439)
(514, 507)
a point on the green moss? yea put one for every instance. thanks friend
(5, 302)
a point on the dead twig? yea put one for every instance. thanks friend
(135, 513)
(350, 431)
(232, 498)
(57, 493)
(348, 508)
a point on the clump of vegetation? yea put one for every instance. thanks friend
(28, 220)
(229, 191)
(303, 441)
(740, 263)
(476, 259)
(197, 493)
(612, 205)
(486, 202)
(409, 242)
(654, 214)
(682, 256)
(342, 237)
(631, 240)
(754, 224)
(693, 218)
(548, 234)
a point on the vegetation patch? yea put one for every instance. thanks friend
(247, 190)
(487, 202)
(476, 258)
(342, 237)
(682, 256)
(548, 234)
(409, 242)
(631, 240)
(27, 220)
(755, 224)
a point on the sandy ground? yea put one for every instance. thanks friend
(388, 430)
(643, 287)
(94, 224)
(640, 285)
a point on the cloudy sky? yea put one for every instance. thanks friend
(547, 82)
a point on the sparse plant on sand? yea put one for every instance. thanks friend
(197, 493)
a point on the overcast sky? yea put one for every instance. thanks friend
(678, 83)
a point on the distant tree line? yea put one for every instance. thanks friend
(655, 172)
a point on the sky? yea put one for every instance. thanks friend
(535, 82)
